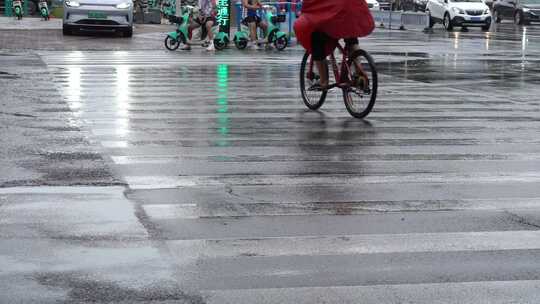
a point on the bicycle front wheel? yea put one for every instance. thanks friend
(360, 96)
(313, 98)
(171, 44)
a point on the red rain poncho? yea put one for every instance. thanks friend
(336, 18)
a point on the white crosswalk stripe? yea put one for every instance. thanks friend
(496, 292)
(160, 182)
(256, 200)
(355, 244)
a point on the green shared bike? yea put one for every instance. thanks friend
(17, 9)
(274, 35)
(182, 36)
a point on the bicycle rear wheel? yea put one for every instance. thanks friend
(313, 99)
(360, 97)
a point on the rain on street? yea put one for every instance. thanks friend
(135, 174)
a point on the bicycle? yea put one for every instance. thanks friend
(181, 34)
(274, 34)
(356, 77)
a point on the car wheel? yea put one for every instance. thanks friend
(497, 16)
(447, 22)
(486, 26)
(518, 18)
(66, 31)
(128, 33)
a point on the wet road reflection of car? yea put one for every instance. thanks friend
(98, 15)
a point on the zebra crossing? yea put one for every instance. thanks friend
(253, 199)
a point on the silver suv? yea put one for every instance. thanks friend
(98, 15)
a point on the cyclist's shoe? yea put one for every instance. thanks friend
(316, 86)
(211, 47)
(186, 47)
(205, 43)
(361, 82)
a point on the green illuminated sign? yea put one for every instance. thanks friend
(224, 15)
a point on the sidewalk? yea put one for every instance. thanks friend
(30, 23)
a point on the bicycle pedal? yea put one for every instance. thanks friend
(361, 82)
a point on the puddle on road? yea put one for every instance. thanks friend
(82, 287)
(496, 71)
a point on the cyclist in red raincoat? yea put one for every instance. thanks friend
(323, 22)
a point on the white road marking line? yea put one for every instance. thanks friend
(163, 182)
(187, 250)
(488, 292)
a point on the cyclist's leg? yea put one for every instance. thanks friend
(204, 33)
(209, 24)
(194, 23)
(352, 45)
(318, 43)
(252, 29)
(263, 25)
(192, 26)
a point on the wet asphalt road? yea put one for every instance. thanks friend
(235, 193)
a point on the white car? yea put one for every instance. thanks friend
(373, 5)
(462, 13)
(98, 15)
